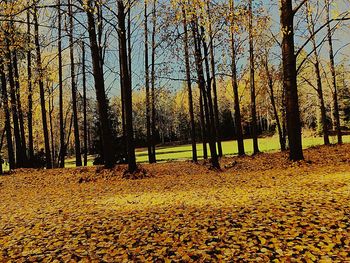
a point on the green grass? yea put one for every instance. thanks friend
(184, 152)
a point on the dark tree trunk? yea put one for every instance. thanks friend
(153, 79)
(78, 161)
(102, 103)
(11, 155)
(42, 91)
(51, 108)
(62, 152)
(213, 73)
(20, 112)
(290, 82)
(208, 105)
(30, 94)
(14, 109)
(148, 107)
(336, 114)
(189, 88)
(132, 167)
(84, 106)
(237, 113)
(252, 82)
(203, 125)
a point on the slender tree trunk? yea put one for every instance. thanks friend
(14, 109)
(213, 73)
(84, 106)
(237, 113)
(290, 82)
(30, 93)
(62, 153)
(11, 155)
(274, 107)
(203, 125)
(252, 82)
(189, 88)
(20, 112)
(51, 108)
(334, 77)
(153, 80)
(102, 103)
(78, 161)
(209, 115)
(42, 91)
(148, 107)
(132, 167)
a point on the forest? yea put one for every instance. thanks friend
(250, 99)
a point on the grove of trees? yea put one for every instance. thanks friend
(104, 77)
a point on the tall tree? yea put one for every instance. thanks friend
(62, 152)
(106, 132)
(127, 89)
(237, 113)
(78, 161)
(41, 89)
(252, 80)
(290, 80)
(84, 105)
(336, 114)
(30, 91)
(189, 85)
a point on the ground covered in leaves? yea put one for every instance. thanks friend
(258, 209)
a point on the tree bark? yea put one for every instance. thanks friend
(237, 113)
(290, 82)
(78, 161)
(132, 167)
(84, 105)
(42, 91)
(102, 103)
(189, 88)
(30, 93)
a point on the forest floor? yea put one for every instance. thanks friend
(260, 209)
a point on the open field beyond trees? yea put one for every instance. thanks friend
(261, 209)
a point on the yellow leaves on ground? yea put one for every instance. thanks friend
(261, 209)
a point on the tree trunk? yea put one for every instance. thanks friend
(132, 167)
(42, 91)
(209, 113)
(102, 103)
(334, 77)
(78, 161)
(148, 107)
(237, 113)
(252, 82)
(84, 106)
(30, 94)
(62, 153)
(189, 88)
(153, 80)
(213, 74)
(11, 155)
(290, 82)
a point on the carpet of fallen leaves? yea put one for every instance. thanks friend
(260, 209)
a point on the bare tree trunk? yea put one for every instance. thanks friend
(78, 161)
(148, 107)
(102, 103)
(203, 125)
(237, 113)
(189, 88)
(209, 113)
(10, 151)
(319, 88)
(62, 153)
(42, 91)
(213, 73)
(334, 77)
(132, 167)
(290, 82)
(30, 93)
(51, 108)
(252, 82)
(153, 80)
(84, 106)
